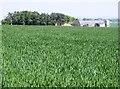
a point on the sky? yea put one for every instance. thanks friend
(76, 8)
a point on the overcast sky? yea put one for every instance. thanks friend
(76, 8)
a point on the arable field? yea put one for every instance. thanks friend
(37, 56)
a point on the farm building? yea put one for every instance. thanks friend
(91, 23)
(95, 23)
(57, 24)
(67, 24)
(76, 23)
(86, 23)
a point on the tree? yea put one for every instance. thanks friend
(69, 19)
(34, 18)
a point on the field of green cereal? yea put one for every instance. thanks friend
(37, 56)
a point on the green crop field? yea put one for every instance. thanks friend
(42, 56)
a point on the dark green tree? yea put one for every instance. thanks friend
(35, 18)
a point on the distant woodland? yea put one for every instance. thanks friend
(35, 18)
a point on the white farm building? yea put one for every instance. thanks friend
(89, 23)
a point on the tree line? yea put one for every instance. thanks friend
(35, 18)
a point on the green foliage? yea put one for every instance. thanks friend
(38, 56)
(5, 22)
(114, 24)
(69, 18)
(1, 60)
(34, 18)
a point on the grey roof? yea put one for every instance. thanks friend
(75, 23)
